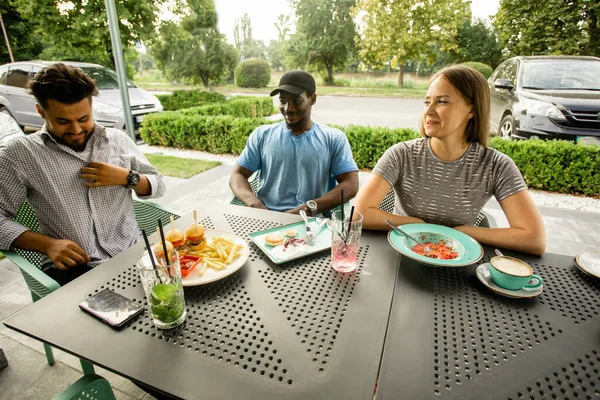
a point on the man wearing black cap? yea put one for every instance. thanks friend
(302, 165)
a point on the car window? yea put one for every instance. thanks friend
(561, 75)
(18, 76)
(510, 71)
(34, 70)
(498, 73)
(105, 78)
(3, 72)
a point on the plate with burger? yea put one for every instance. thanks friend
(207, 255)
(286, 243)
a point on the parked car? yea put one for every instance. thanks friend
(546, 97)
(9, 128)
(108, 108)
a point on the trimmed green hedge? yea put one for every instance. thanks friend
(547, 165)
(485, 69)
(253, 73)
(188, 98)
(558, 166)
(242, 107)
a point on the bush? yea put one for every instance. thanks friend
(243, 107)
(485, 69)
(558, 166)
(548, 165)
(188, 98)
(253, 73)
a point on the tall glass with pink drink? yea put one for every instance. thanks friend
(345, 238)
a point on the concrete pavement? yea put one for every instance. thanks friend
(29, 376)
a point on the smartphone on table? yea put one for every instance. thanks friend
(112, 308)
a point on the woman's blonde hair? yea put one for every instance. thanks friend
(474, 88)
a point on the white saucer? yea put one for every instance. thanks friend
(483, 274)
(588, 263)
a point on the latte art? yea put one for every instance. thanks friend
(512, 266)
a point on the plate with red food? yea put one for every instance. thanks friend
(445, 247)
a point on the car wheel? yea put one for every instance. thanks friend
(507, 127)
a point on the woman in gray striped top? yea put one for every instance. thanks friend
(448, 175)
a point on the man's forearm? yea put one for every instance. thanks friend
(143, 188)
(332, 198)
(30, 240)
(241, 189)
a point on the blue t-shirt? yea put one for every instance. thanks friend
(295, 169)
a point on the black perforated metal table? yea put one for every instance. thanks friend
(452, 338)
(295, 331)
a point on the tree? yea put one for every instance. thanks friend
(78, 30)
(324, 35)
(550, 27)
(476, 41)
(244, 43)
(25, 45)
(408, 29)
(194, 50)
(277, 48)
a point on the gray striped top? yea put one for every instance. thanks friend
(448, 193)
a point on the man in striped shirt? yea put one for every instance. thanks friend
(76, 175)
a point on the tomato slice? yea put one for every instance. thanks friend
(188, 263)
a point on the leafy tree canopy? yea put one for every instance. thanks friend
(78, 30)
(324, 34)
(549, 27)
(400, 30)
(194, 50)
(244, 43)
(25, 44)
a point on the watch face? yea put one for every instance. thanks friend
(133, 178)
(312, 204)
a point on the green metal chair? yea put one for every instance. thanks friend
(147, 215)
(484, 220)
(88, 387)
(253, 181)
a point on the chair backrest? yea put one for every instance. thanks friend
(147, 215)
(484, 220)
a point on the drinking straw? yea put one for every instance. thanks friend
(150, 253)
(349, 224)
(164, 243)
(342, 204)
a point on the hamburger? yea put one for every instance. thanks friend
(159, 251)
(176, 237)
(273, 239)
(194, 234)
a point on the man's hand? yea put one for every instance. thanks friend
(100, 174)
(258, 204)
(297, 209)
(66, 254)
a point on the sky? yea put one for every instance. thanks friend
(263, 14)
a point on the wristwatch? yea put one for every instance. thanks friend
(312, 207)
(133, 179)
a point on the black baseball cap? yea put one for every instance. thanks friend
(296, 82)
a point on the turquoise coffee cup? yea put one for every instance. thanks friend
(513, 274)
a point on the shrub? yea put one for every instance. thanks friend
(253, 72)
(188, 98)
(485, 69)
(242, 107)
(558, 166)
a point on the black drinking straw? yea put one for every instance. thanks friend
(164, 243)
(150, 252)
(342, 205)
(349, 224)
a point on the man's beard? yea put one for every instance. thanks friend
(78, 147)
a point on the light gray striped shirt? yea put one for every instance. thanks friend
(100, 220)
(448, 193)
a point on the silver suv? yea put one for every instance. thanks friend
(108, 108)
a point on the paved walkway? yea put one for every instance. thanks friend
(572, 224)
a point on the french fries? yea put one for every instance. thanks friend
(218, 254)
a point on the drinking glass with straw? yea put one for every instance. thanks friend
(161, 279)
(345, 238)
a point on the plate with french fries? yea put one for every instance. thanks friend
(222, 254)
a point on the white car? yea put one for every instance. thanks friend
(9, 128)
(108, 108)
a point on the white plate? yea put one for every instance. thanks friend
(211, 275)
(483, 274)
(589, 263)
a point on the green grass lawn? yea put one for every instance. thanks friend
(180, 167)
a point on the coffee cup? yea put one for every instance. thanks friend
(513, 274)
